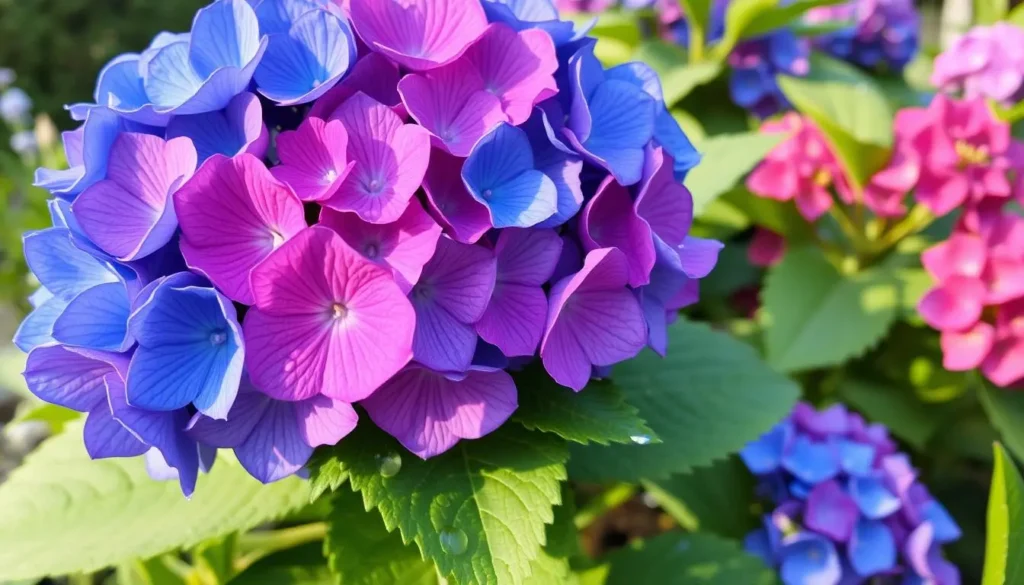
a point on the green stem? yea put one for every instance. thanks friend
(604, 502)
(696, 44)
(256, 545)
(918, 219)
(849, 229)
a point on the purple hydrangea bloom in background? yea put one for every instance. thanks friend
(883, 34)
(849, 507)
(987, 61)
(472, 193)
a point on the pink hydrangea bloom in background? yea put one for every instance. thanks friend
(802, 168)
(987, 61)
(978, 299)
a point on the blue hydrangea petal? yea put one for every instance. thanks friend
(171, 80)
(765, 454)
(747, 86)
(856, 458)
(873, 498)
(500, 174)
(811, 462)
(63, 268)
(525, 14)
(225, 34)
(946, 529)
(671, 137)
(96, 319)
(245, 413)
(308, 60)
(275, 448)
(190, 351)
(105, 437)
(756, 543)
(277, 16)
(37, 328)
(810, 559)
(622, 123)
(640, 75)
(872, 548)
(101, 127)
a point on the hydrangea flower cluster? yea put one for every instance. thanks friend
(987, 61)
(298, 207)
(884, 34)
(16, 113)
(848, 506)
(802, 168)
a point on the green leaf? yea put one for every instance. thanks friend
(698, 12)
(813, 316)
(1016, 16)
(725, 160)
(1005, 409)
(678, 78)
(990, 11)
(850, 110)
(304, 565)
(780, 217)
(102, 513)
(552, 566)
(361, 551)
(675, 558)
(478, 511)
(1004, 547)
(896, 407)
(12, 364)
(716, 499)
(56, 417)
(710, 397)
(599, 415)
(752, 18)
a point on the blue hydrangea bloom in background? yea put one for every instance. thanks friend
(848, 506)
(883, 34)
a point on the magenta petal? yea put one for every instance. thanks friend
(1004, 365)
(465, 218)
(452, 104)
(375, 75)
(593, 320)
(452, 294)
(610, 221)
(326, 321)
(142, 173)
(403, 246)
(953, 306)
(233, 214)
(390, 160)
(518, 68)
(963, 254)
(420, 34)
(313, 158)
(324, 421)
(1005, 280)
(965, 350)
(428, 412)
(664, 203)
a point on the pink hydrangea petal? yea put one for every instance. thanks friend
(375, 75)
(1004, 365)
(942, 194)
(313, 158)
(610, 220)
(324, 421)
(1005, 279)
(233, 214)
(527, 256)
(774, 179)
(404, 246)
(664, 203)
(965, 350)
(390, 160)
(326, 321)
(428, 412)
(955, 305)
(452, 104)
(518, 68)
(465, 219)
(593, 320)
(813, 202)
(963, 254)
(514, 319)
(419, 34)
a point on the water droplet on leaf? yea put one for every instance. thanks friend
(454, 541)
(389, 464)
(641, 439)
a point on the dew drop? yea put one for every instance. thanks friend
(453, 541)
(289, 366)
(389, 464)
(641, 439)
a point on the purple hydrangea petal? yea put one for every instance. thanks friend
(527, 14)
(429, 412)
(664, 203)
(830, 511)
(450, 202)
(275, 448)
(562, 168)
(236, 129)
(87, 150)
(245, 414)
(307, 60)
(451, 295)
(324, 421)
(699, 256)
(105, 437)
(373, 74)
(70, 377)
(593, 320)
(610, 220)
